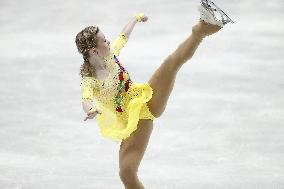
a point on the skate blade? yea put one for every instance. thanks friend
(216, 9)
(208, 16)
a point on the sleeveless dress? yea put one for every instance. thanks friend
(121, 101)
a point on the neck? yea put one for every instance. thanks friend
(97, 63)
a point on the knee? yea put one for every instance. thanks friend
(128, 174)
(158, 110)
(171, 58)
(174, 61)
(157, 114)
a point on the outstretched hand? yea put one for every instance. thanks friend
(144, 18)
(91, 114)
(141, 17)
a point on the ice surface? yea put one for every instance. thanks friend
(223, 126)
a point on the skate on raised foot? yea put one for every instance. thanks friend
(211, 13)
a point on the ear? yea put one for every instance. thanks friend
(95, 50)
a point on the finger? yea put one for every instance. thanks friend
(90, 113)
(89, 117)
(98, 112)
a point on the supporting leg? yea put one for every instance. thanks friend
(131, 153)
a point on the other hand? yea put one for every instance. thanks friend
(92, 114)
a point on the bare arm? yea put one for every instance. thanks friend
(129, 27)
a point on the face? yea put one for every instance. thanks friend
(103, 47)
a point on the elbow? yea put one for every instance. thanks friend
(125, 34)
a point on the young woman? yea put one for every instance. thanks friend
(125, 110)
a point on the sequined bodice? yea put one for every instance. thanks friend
(107, 87)
(109, 91)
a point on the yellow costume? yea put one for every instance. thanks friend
(121, 101)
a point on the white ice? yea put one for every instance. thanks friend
(224, 123)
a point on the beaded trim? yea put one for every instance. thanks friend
(124, 84)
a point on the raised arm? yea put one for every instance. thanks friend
(140, 17)
(124, 35)
(129, 27)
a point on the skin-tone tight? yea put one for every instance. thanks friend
(162, 81)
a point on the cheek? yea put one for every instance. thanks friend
(103, 47)
(107, 48)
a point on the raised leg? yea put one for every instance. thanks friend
(131, 153)
(163, 79)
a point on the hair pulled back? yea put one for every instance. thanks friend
(85, 40)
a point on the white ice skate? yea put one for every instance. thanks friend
(211, 13)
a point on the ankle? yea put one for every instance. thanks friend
(197, 32)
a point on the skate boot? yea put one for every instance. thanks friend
(211, 13)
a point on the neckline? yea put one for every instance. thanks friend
(110, 60)
(103, 80)
(110, 70)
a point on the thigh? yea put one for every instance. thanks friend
(162, 83)
(132, 148)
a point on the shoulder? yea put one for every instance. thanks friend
(109, 58)
(88, 81)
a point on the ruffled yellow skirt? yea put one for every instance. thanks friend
(119, 125)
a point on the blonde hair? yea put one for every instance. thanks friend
(85, 40)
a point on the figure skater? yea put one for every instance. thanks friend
(125, 110)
